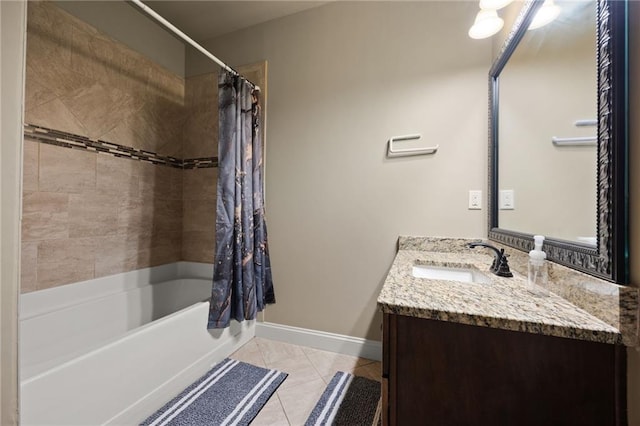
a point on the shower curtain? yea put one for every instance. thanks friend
(242, 283)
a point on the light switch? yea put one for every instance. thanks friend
(475, 200)
(507, 201)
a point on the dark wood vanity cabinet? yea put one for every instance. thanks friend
(443, 373)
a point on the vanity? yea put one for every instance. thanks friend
(463, 346)
(488, 352)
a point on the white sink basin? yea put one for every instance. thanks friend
(447, 273)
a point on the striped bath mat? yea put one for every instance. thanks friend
(232, 393)
(348, 400)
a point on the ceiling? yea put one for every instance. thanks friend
(203, 20)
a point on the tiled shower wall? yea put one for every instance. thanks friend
(199, 185)
(89, 214)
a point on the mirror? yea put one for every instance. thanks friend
(558, 137)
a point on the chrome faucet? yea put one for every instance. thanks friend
(500, 266)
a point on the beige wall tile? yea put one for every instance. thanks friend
(45, 216)
(201, 134)
(28, 266)
(48, 34)
(124, 134)
(167, 215)
(166, 247)
(135, 216)
(92, 215)
(198, 246)
(176, 183)
(165, 84)
(65, 261)
(151, 179)
(202, 91)
(92, 53)
(110, 214)
(160, 181)
(51, 80)
(170, 145)
(116, 175)
(133, 74)
(200, 184)
(199, 215)
(115, 255)
(45, 202)
(30, 166)
(36, 94)
(146, 129)
(66, 170)
(99, 108)
(43, 225)
(55, 115)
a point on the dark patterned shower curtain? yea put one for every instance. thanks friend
(242, 283)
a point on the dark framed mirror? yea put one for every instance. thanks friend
(574, 193)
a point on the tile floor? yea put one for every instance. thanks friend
(310, 370)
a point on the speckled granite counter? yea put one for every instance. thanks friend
(503, 303)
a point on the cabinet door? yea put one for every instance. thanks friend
(443, 373)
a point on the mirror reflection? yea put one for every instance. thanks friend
(547, 129)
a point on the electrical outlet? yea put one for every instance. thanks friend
(475, 200)
(507, 201)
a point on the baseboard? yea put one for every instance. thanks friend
(331, 342)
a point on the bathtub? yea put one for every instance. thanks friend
(113, 350)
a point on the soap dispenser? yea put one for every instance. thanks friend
(538, 275)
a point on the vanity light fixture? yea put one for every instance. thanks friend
(487, 23)
(494, 4)
(545, 15)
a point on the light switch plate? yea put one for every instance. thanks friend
(507, 201)
(475, 200)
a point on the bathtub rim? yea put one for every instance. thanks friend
(42, 302)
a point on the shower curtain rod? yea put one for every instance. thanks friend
(188, 39)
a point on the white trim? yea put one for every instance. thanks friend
(331, 342)
(13, 30)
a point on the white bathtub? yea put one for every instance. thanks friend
(113, 350)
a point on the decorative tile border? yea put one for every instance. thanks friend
(200, 163)
(70, 140)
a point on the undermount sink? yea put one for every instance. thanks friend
(447, 273)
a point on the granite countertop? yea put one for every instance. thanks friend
(502, 303)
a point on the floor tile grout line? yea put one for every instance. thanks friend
(313, 365)
(283, 410)
(275, 394)
(367, 362)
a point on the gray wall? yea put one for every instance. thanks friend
(343, 79)
(127, 24)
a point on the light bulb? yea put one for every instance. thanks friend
(487, 23)
(547, 13)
